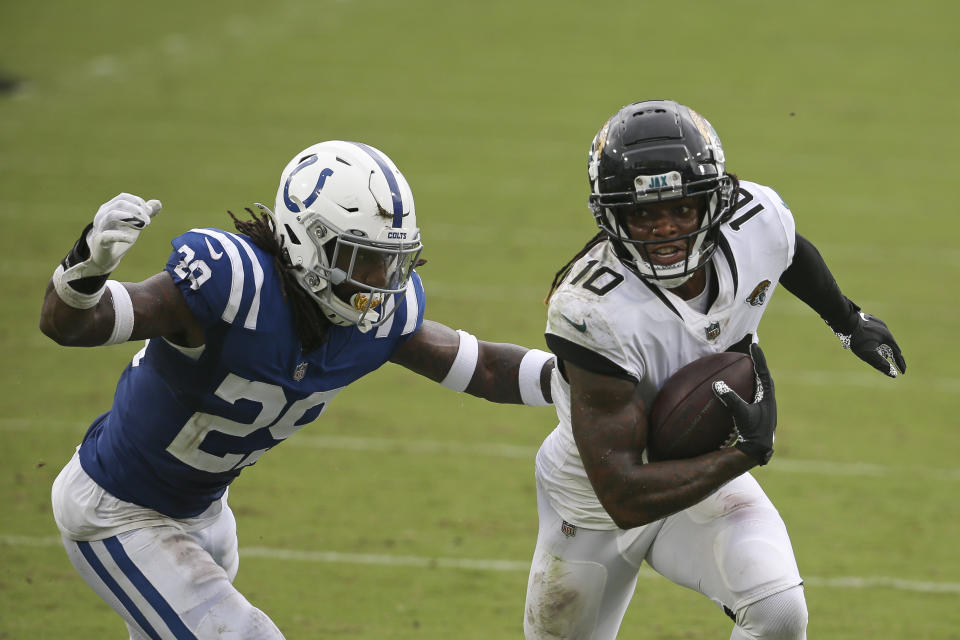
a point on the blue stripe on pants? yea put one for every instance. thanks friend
(147, 590)
(108, 580)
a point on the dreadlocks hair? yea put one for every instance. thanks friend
(308, 321)
(565, 269)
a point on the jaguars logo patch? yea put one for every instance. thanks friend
(596, 150)
(709, 134)
(759, 294)
(601, 140)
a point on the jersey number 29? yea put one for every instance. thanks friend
(282, 422)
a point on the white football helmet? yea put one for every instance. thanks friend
(343, 212)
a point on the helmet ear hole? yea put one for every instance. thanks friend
(290, 234)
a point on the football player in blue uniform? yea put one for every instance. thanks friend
(249, 337)
(684, 265)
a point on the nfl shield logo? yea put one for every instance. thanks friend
(567, 529)
(300, 371)
(712, 330)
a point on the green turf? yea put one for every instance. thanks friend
(848, 109)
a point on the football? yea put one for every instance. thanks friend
(687, 419)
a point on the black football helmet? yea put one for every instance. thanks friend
(652, 151)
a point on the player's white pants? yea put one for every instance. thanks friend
(165, 580)
(732, 547)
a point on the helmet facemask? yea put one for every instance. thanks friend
(373, 271)
(700, 243)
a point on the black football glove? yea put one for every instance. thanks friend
(754, 424)
(872, 342)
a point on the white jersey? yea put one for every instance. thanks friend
(604, 318)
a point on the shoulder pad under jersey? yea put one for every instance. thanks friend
(220, 274)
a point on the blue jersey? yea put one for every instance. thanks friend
(185, 422)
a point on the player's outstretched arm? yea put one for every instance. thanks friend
(810, 280)
(156, 308)
(495, 371)
(82, 307)
(609, 420)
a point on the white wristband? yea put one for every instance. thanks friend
(531, 392)
(71, 296)
(122, 313)
(464, 364)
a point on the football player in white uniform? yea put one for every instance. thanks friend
(684, 265)
(250, 336)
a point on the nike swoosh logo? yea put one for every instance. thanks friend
(136, 223)
(581, 327)
(216, 255)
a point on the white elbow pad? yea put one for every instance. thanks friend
(531, 392)
(122, 313)
(464, 364)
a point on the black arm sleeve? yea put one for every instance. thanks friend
(810, 280)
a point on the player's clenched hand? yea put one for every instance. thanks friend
(873, 343)
(754, 424)
(82, 275)
(115, 228)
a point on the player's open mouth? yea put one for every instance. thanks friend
(666, 254)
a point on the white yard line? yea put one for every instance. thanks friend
(416, 447)
(478, 564)
(430, 447)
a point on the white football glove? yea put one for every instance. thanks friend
(116, 227)
(81, 277)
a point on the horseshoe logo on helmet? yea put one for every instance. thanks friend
(309, 200)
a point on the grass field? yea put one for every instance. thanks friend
(408, 511)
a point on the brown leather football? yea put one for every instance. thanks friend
(687, 419)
